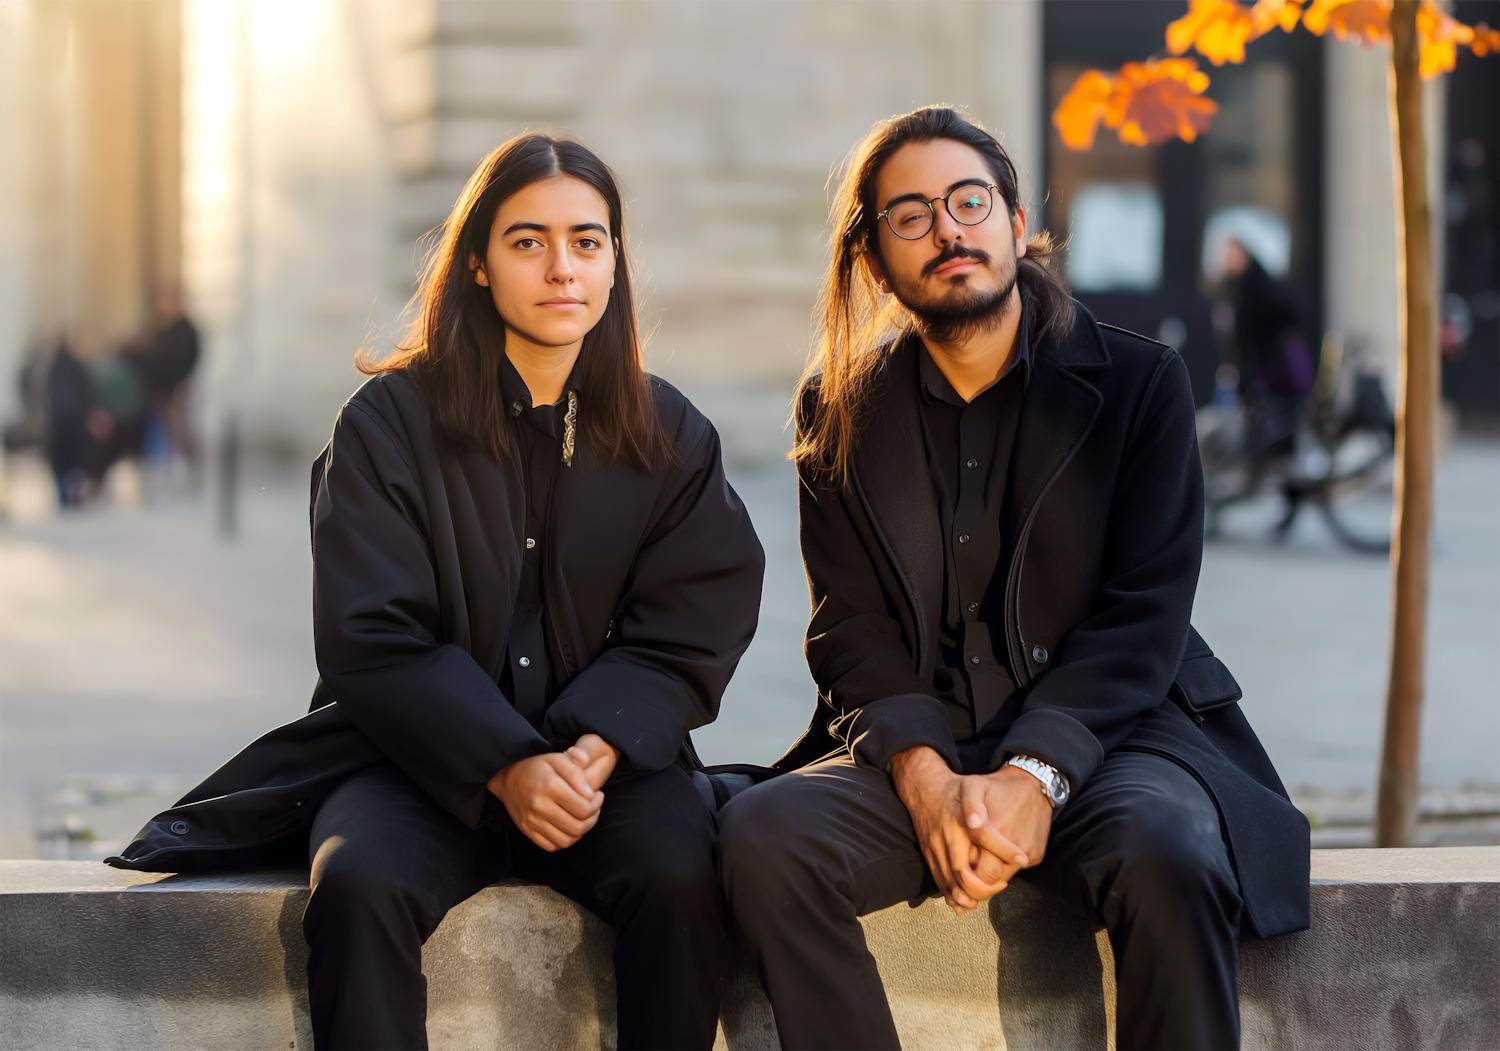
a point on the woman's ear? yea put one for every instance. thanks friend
(480, 277)
(617, 262)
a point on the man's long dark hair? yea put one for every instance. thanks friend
(855, 326)
(453, 346)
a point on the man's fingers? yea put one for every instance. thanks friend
(971, 799)
(988, 837)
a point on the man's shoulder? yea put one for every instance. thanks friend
(1131, 348)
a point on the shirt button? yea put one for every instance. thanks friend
(973, 660)
(963, 538)
(973, 606)
(973, 462)
(530, 543)
(524, 662)
(1039, 654)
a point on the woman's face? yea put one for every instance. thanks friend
(551, 261)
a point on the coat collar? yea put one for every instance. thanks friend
(890, 475)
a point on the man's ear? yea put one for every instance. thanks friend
(477, 268)
(877, 271)
(1018, 227)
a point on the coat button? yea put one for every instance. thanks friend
(515, 408)
(963, 538)
(530, 543)
(524, 662)
(973, 462)
(973, 660)
(973, 606)
(1039, 654)
(179, 828)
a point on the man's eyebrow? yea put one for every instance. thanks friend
(543, 228)
(918, 197)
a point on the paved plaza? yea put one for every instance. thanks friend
(138, 650)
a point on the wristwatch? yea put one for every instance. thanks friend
(1054, 784)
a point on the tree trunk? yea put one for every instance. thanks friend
(1416, 410)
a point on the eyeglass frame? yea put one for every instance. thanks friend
(886, 215)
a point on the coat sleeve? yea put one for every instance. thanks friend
(1119, 662)
(857, 648)
(687, 616)
(377, 620)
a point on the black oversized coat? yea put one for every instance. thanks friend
(1106, 527)
(652, 594)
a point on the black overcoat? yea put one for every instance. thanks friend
(1106, 528)
(653, 590)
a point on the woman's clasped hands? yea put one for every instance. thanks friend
(554, 798)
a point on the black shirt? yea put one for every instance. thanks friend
(529, 680)
(969, 446)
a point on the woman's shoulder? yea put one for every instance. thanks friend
(681, 418)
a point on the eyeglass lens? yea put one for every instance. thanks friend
(969, 205)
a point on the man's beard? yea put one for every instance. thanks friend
(960, 312)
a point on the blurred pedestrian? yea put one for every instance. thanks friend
(1275, 367)
(166, 361)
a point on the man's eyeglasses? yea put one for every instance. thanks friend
(969, 204)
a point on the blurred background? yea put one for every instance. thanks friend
(207, 206)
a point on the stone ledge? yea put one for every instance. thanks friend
(1403, 953)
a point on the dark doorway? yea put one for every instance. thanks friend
(1470, 337)
(1139, 219)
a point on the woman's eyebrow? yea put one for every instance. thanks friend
(543, 228)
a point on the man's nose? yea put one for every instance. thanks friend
(945, 229)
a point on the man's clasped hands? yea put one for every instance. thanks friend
(976, 831)
(555, 797)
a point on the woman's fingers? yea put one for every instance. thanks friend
(571, 773)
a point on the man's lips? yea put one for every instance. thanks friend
(956, 265)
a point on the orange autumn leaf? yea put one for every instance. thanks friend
(1486, 40)
(1367, 21)
(1440, 35)
(1220, 29)
(1146, 103)
(1162, 99)
(1078, 114)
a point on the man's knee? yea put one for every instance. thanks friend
(769, 843)
(1168, 852)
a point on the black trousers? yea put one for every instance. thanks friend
(388, 863)
(1139, 850)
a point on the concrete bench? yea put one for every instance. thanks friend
(1403, 954)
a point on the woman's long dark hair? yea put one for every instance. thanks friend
(855, 326)
(453, 346)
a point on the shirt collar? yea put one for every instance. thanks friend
(937, 385)
(514, 388)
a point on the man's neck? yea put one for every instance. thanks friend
(976, 363)
(543, 369)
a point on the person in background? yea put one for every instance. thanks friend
(1276, 370)
(166, 361)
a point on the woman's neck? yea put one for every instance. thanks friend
(543, 369)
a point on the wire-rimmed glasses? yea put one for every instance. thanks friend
(913, 218)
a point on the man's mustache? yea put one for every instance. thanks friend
(955, 250)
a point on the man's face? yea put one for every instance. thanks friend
(956, 277)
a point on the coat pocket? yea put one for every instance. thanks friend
(1203, 684)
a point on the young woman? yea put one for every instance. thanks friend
(531, 581)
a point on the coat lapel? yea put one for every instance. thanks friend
(1056, 416)
(893, 483)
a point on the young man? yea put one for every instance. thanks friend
(1002, 522)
